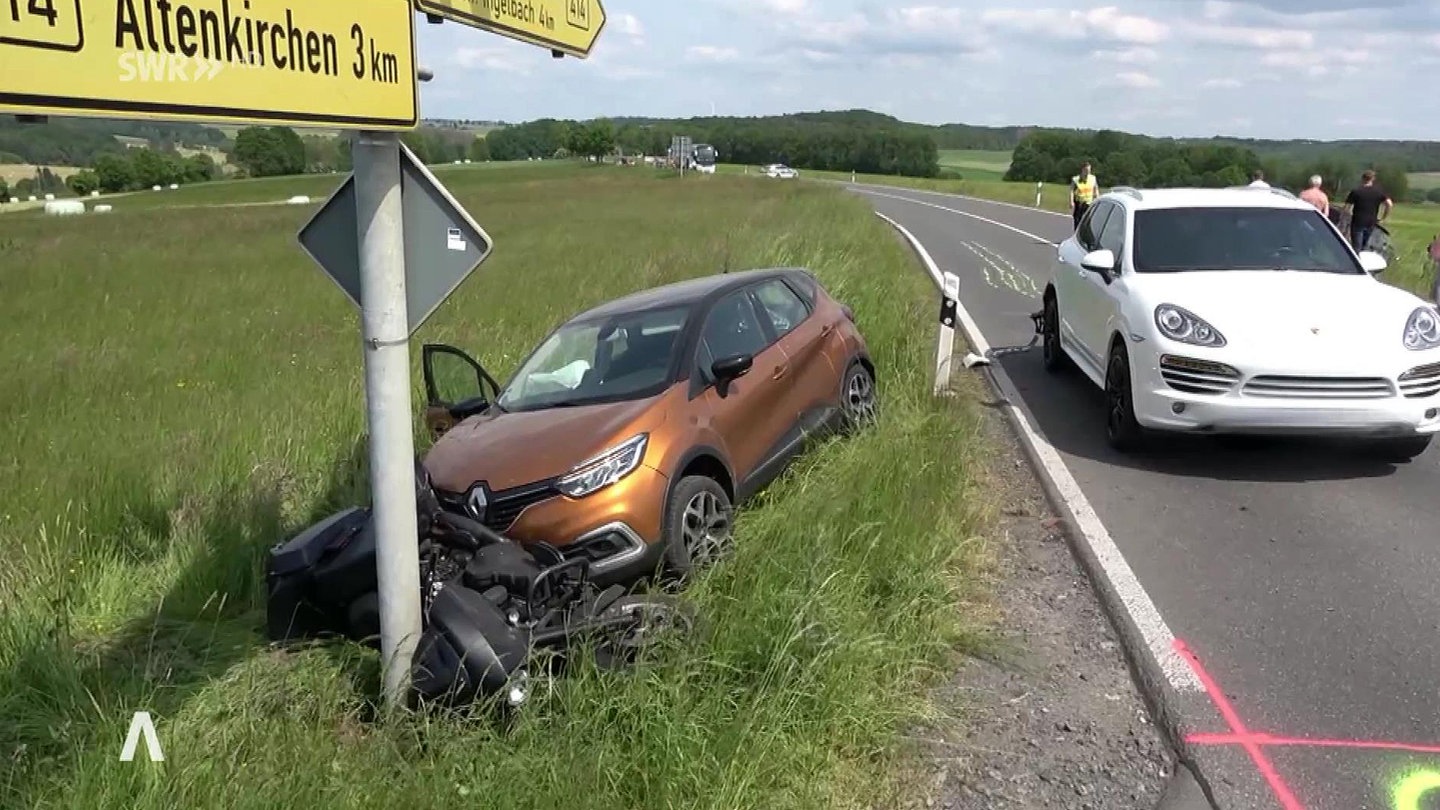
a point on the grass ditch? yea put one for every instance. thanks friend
(183, 388)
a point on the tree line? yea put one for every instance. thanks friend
(825, 145)
(1120, 159)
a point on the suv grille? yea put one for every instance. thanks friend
(1286, 387)
(1421, 382)
(1197, 376)
(505, 506)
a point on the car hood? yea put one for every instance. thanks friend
(1281, 312)
(507, 449)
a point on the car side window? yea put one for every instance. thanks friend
(731, 328)
(1112, 238)
(782, 305)
(1090, 226)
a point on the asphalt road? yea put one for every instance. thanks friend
(1304, 578)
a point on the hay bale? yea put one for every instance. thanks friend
(64, 207)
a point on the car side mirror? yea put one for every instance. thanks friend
(1372, 262)
(1100, 261)
(728, 369)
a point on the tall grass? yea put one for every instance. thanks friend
(182, 388)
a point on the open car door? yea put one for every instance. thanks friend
(456, 387)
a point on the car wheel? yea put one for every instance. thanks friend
(698, 525)
(642, 621)
(857, 396)
(1401, 449)
(1051, 351)
(1122, 430)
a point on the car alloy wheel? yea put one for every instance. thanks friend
(706, 529)
(698, 525)
(1121, 428)
(859, 397)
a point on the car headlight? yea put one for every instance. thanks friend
(604, 469)
(1180, 324)
(1422, 331)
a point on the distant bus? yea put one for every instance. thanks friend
(702, 158)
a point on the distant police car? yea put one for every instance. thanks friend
(1239, 311)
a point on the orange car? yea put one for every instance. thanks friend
(627, 435)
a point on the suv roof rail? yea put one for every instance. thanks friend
(1272, 189)
(1129, 191)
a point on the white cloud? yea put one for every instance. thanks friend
(627, 24)
(1129, 56)
(1106, 22)
(1222, 84)
(1137, 80)
(493, 58)
(711, 53)
(1252, 37)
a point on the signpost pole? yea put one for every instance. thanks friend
(385, 327)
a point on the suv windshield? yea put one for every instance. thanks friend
(1171, 240)
(626, 356)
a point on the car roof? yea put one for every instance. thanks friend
(1242, 197)
(689, 292)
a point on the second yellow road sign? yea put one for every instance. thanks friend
(568, 26)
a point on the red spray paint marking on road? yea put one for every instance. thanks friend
(1241, 735)
(1253, 741)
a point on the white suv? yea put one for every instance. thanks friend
(1239, 310)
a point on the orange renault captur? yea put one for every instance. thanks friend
(629, 433)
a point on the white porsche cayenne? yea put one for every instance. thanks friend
(1232, 311)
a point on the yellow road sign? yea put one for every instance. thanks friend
(568, 26)
(322, 63)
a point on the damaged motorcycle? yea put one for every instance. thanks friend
(494, 610)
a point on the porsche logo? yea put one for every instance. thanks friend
(1314, 330)
(478, 501)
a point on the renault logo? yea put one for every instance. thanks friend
(477, 501)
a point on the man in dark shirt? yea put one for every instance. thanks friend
(1368, 205)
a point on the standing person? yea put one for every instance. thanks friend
(1083, 190)
(1368, 206)
(1257, 179)
(1316, 196)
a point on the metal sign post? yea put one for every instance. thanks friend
(384, 318)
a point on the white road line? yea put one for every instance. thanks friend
(1122, 580)
(1042, 240)
(1032, 209)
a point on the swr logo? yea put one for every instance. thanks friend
(166, 67)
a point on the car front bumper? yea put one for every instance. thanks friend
(1182, 393)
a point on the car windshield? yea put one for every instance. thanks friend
(626, 356)
(1173, 240)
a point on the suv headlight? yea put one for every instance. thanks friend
(604, 469)
(1422, 331)
(1180, 324)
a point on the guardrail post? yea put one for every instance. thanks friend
(945, 348)
(1039, 186)
(852, 175)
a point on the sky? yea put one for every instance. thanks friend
(1315, 69)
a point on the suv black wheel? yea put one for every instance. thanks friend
(1122, 430)
(1052, 353)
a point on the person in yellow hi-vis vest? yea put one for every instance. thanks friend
(1083, 190)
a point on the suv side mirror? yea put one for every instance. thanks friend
(1372, 262)
(733, 367)
(1099, 261)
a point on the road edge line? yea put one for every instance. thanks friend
(1159, 687)
(1017, 206)
(997, 223)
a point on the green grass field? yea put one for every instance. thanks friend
(976, 164)
(184, 389)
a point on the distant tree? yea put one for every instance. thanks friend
(199, 168)
(25, 187)
(480, 150)
(154, 168)
(4, 190)
(115, 173)
(1433, 195)
(269, 151)
(595, 139)
(83, 182)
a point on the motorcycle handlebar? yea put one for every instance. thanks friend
(479, 532)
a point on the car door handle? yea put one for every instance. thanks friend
(779, 371)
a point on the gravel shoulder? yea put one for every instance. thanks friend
(1051, 716)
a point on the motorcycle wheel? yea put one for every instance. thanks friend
(656, 617)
